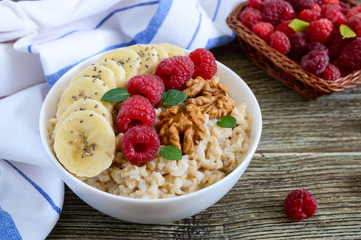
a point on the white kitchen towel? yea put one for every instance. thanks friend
(39, 42)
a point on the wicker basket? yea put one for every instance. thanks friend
(284, 69)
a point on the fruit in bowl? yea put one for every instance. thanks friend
(153, 135)
(316, 34)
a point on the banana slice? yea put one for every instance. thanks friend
(84, 87)
(117, 69)
(86, 104)
(127, 58)
(162, 53)
(100, 72)
(85, 143)
(172, 50)
(148, 56)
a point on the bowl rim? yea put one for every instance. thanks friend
(43, 124)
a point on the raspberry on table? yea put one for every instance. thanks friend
(258, 4)
(250, 16)
(135, 111)
(331, 72)
(263, 30)
(283, 27)
(315, 61)
(280, 42)
(140, 144)
(175, 71)
(150, 86)
(350, 57)
(299, 46)
(300, 204)
(204, 63)
(319, 31)
(276, 11)
(301, 5)
(311, 14)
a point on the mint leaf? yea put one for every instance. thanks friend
(298, 25)
(346, 32)
(173, 97)
(227, 122)
(170, 152)
(116, 95)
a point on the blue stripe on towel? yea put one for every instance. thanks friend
(217, 41)
(8, 228)
(39, 189)
(145, 36)
(99, 24)
(216, 11)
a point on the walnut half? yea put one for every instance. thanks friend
(210, 96)
(183, 130)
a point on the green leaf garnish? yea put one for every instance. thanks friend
(170, 152)
(347, 32)
(227, 122)
(173, 97)
(116, 95)
(298, 25)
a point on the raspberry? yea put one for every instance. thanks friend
(250, 16)
(319, 31)
(331, 2)
(354, 22)
(331, 72)
(256, 4)
(333, 13)
(315, 61)
(280, 42)
(300, 204)
(353, 11)
(301, 5)
(263, 30)
(140, 144)
(204, 63)
(150, 86)
(336, 43)
(345, 7)
(283, 27)
(298, 46)
(276, 11)
(316, 46)
(175, 71)
(135, 111)
(312, 14)
(350, 58)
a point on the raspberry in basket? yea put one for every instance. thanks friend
(333, 13)
(280, 42)
(256, 4)
(299, 6)
(336, 43)
(353, 11)
(331, 72)
(319, 30)
(283, 27)
(276, 11)
(315, 61)
(298, 46)
(312, 14)
(140, 144)
(150, 86)
(135, 111)
(350, 58)
(250, 16)
(263, 30)
(354, 22)
(204, 63)
(175, 71)
(300, 204)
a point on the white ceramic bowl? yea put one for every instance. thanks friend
(157, 210)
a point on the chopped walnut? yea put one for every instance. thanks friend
(210, 96)
(174, 124)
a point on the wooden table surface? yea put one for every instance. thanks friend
(314, 145)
